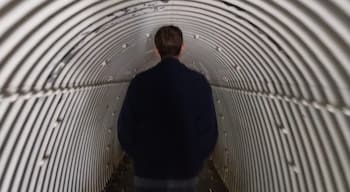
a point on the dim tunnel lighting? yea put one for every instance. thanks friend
(279, 70)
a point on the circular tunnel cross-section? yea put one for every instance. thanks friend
(279, 70)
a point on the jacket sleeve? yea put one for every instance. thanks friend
(208, 131)
(126, 122)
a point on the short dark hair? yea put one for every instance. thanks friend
(168, 40)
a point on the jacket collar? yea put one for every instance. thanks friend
(170, 60)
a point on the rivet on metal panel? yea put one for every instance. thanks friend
(41, 94)
(148, 35)
(284, 131)
(125, 45)
(41, 163)
(222, 116)
(293, 166)
(286, 98)
(304, 102)
(104, 63)
(295, 100)
(113, 113)
(331, 108)
(196, 36)
(56, 123)
(346, 111)
(218, 100)
(108, 147)
(295, 169)
(27, 96)
(317, 105)
(279, 97)
(44, 160)
(118, 98)
(238, 68)
(225, 79)
(219, 49)
(109, 130)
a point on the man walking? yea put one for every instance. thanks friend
(167, 124)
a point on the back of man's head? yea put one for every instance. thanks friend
(169, 40)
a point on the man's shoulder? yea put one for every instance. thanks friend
(141, 77)
(191, 75)
(197, 76)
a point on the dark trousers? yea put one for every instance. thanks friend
(150, 185)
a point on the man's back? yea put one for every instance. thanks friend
(167, 123)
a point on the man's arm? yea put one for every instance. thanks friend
(207, 121)
(126, 122)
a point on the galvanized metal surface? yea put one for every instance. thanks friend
(280, 73)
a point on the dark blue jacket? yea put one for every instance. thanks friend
(167, 123)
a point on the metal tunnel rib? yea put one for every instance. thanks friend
(280, 73)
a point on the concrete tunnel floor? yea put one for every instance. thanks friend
(122, 178)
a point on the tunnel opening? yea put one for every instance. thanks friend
(279, 71)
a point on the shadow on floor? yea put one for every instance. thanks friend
(122, 179)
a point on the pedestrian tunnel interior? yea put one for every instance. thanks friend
(279, 71)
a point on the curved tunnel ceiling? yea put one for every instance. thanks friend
(280, 73)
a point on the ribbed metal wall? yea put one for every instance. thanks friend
(280, 72)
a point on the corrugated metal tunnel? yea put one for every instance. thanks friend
(279, 70)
